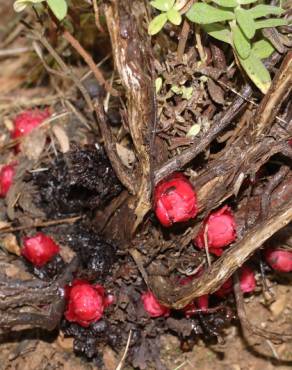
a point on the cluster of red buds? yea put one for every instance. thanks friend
(24, 123)
(28, 120)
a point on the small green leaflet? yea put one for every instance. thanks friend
(162, 5)
(245, 22)
(256, 71)
(186, 92)
(205, 14)
(264, 10)
(194, 130)
(226, 3)
(241, 43)
(59, 8)
(219, 31)
(174, 16)
(158, 84)
(262, 48)
(271, 22)
(157, 23)
(20, 5)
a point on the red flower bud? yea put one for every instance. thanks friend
(279, 259)
(200, 303)
(225, 289)
(221, 230)
(175, 200)
(152, 306)
(247, 280)
(26, 121)
(86, 302)
(6, 178)
(39, 249)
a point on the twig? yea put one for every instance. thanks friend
(14, 52)
(96, 16)
(64, 67)
(272, 102)
(121, 364)
(139, 262)
(200, 47)
(183, 40)
(68, 220)
(90, 62)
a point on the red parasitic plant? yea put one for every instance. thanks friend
(7, 173)
(200, 304)
(86, 302)
(279, 259)
(247, 280)
(26, 121)
(175, 200)
(39, 249)
(152, 306)
(219, 228)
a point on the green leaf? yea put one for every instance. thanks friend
(174, 16)
(205, 14)
(219, 31)
(194, 130)
(187, 92)
(245, 22)
(20, 5)
(157, 23)
(163, 5)
(256, 71)
(226, 3)
(271, 22)
(59, 8)
(264, 10)
(158, 84)
(262, 48)
(241, 43)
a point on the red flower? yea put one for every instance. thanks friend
(26, 121)
(247, 280)
(175, 200)
(39, 249)
(152, 306)
(220, 233)
(279, 259)
(200, 303)
(6, 178)
(86, 302)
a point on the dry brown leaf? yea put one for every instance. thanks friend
(215, 91)
(33, 144)
(9, 243)
(62, 138)
(126, 155)
(4, 224)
